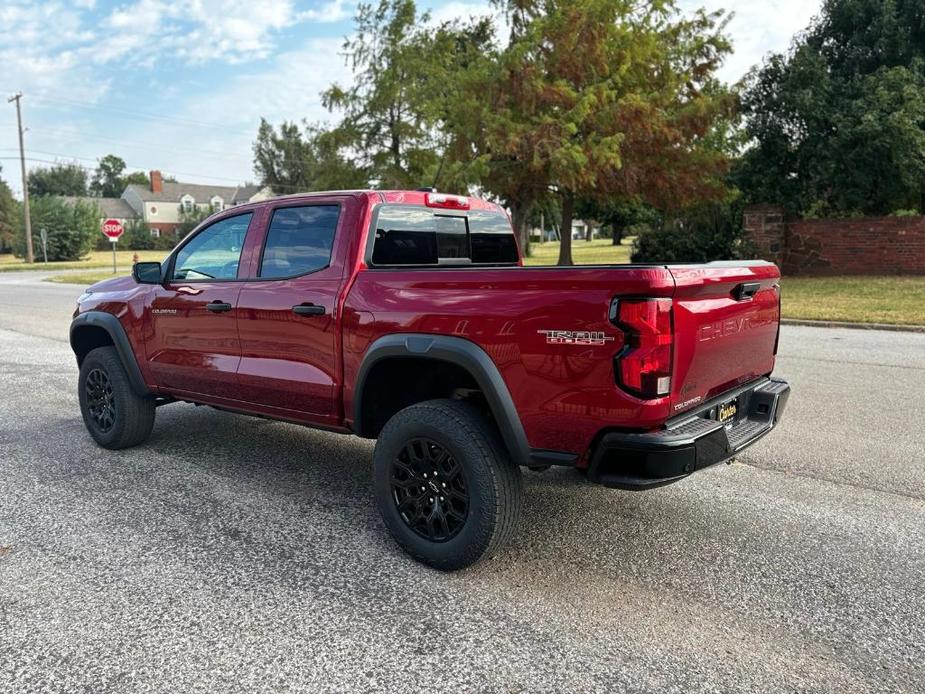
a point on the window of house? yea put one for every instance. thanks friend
(421, 236)
(187, 203)
(153, 210)
(299, 240)
(213, 253)
(217, 204)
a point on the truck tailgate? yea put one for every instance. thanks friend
(726, 318)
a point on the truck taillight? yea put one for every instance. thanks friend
(643, 368)
(446, 202)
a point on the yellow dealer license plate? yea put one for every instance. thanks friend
(726, 413)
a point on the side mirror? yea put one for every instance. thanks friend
(147, 273)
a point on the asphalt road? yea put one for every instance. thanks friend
(232, 554)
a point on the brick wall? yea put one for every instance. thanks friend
(863, 246)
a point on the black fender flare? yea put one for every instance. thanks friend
(465, 354)
(111, 324)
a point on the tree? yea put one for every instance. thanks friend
(289, 161)
(617, 214)
(109, 181)
(72, 227)
(837, 125)
(138, 237)
(59, 179)
(598, 99)
(190, 219)
(390, 112)
(10, 214)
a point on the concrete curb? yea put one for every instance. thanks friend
(856, 326)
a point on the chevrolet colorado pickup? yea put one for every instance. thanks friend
(407, 316)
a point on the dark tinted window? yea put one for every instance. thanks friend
(214, 252)
(299, 240)
(423, 236)
(491, 238)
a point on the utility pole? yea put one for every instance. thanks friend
(25, 188)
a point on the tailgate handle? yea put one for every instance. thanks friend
(746, 290)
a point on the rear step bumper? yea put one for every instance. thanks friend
(688, 443)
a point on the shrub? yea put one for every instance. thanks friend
(700, 235)
(72, 228)
(138, 237)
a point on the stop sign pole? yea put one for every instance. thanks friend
(112, 229)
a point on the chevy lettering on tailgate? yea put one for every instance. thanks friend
(730, 326)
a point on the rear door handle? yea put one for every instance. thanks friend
(307, 309)
(218, 306)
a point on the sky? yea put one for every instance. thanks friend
(181, 86)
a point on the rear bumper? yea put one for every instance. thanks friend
(690, 442)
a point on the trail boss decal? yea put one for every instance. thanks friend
(575, 337)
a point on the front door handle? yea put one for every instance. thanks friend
(218, 306)
(307, 309)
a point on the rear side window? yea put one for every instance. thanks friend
(421, 236)
(492, 238)
(299, 240)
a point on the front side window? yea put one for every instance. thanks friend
(299, 240)
(423, 236)
(214, 253)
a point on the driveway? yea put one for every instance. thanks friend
(232, 554)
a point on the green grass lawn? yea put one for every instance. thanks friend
(86, 278)
(596, 252)
(95, 260)
(893, 300)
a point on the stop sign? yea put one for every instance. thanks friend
(112, 228)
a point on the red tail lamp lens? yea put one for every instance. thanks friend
(644, 366)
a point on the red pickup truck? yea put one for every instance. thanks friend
(407, 316)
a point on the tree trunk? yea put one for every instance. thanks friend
(565, 245)
(589, 233)
(617, 234)
(519, 215)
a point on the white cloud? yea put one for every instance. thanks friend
(194, 30)
(459, 9)
(288, 89)
(758, 28)
(36, 60)
(332, 11)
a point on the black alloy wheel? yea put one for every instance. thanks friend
(100, 401)
(447, 490)
(115, 415)
(429, 490)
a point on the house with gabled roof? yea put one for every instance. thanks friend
(110, 208)
(162, 204)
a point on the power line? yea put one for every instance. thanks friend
(123, 143)
(121, 112)
(64, 158)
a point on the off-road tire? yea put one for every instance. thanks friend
(492, 481)
(127, 418)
